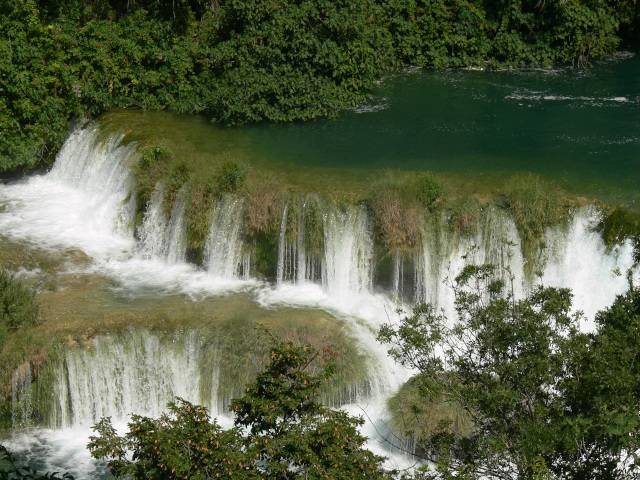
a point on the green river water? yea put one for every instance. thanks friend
(580, 128)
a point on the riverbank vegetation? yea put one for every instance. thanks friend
(240, 62)
(405, 208)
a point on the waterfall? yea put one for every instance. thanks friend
(84, 202)
(224, 247)
(22, 401)
(444, 254)
(577, 258)
(301, 240)
(152, 232)
(161, 237)
(90, 161)
(128, 373)
(177, 230)
(282, 246)
(573, 256)
(348, 256)
(326, 259)
(141, 371)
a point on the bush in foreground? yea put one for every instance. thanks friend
(546, 400)
(281, 431)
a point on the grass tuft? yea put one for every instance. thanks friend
(535, 205)
(464, 215)
(398, 213)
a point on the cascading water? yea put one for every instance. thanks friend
(152, 232)
(176, 230)
(84, 202)
(129, 373)
(348, 254)
(577, 258)
(301, 240)
(326, 260)
(444, 254)
(161, 237)
(224, 248)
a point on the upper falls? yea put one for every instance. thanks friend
(322, 254)
(87, 202)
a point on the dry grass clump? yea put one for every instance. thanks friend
(399, 216)
(264, 209)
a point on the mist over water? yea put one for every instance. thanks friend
(470, 122)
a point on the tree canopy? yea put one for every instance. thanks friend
(261, 60)
(281, 431)
(546, 400)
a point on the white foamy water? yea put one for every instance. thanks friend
(578, 259)
(81, 203)
(224, 246)
(62, 450)
(86, 203)
(541, 96)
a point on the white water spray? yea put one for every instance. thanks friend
(86, 203)
(224, 247)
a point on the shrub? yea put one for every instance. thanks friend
(230, 176)
(429, 189)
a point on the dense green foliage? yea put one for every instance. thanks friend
(249, 61)
(281, 432)
(545, 399)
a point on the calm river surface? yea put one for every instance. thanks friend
(580, 128)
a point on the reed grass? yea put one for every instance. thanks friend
(536, 206)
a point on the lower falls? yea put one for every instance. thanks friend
(325, 255)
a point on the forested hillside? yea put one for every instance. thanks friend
(262, 60)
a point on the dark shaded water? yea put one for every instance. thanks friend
(580, 128)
